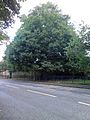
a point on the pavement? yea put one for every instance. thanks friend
(68, 85)
(21, 100)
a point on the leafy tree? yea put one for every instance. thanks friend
(8, 9)
(85, 38)
(40, 43)
(76, 57)
(3, 66)
(84, 34)
(3, 38)
(76, 51)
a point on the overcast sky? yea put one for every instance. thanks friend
(77, 9)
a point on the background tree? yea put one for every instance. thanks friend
(3, 37)
(76, 55)
(77, 51)
(84, 34)
(8, 9)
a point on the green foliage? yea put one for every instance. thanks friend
(3, 66)
(85, 35)
(8, 9)
(41, 40)
(46, 41)
(3, 37)
(77, 55)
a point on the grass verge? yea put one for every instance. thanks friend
(78, 82)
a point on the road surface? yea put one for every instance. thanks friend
(30, 101)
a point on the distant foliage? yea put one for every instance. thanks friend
(8, 9)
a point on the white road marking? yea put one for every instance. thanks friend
(86, 95)
(12, 86)
(87, 104)
(41, 93)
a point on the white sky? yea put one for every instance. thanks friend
(77, 9)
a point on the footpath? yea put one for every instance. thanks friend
(68, 85)
(59, 84)
(51, 83)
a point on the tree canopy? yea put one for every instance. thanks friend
(46, 41)
(8, 9)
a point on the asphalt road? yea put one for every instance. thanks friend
(30, 101)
